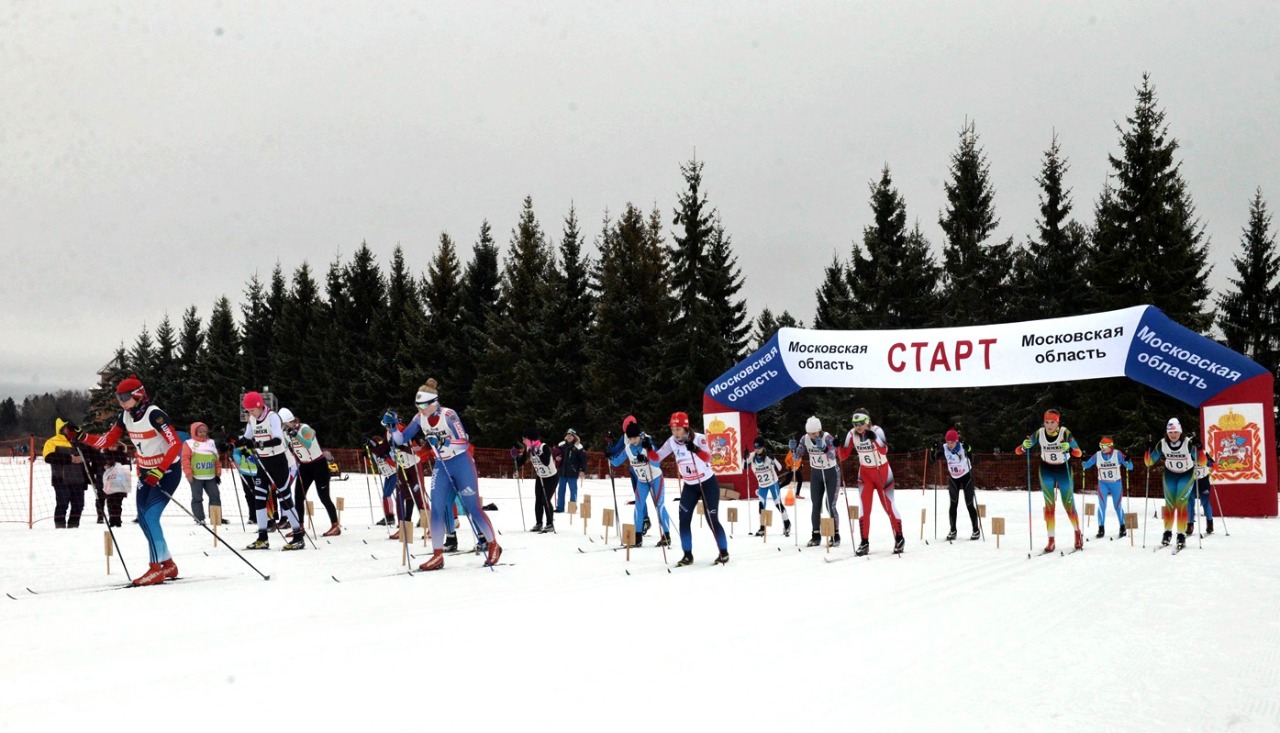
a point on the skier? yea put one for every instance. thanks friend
(959, 462)
(1180, 459)
(573, 466)
(313, 467)
(646, 476)
(454, 474)
(766, 469)
(874, 477)
(1110, 485)
(158, 451)
(824, 476)
(1057, 446)
(693, 458)
(264, 434)
(1202, 491)
(200, 466)
(532, 450)
(246, 469)
(398, 465)
(795, 467)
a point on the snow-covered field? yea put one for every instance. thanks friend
(946, 637)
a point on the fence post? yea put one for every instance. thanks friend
(31, 481)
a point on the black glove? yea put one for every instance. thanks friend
(72, 432)
(292, 432)
(1194, 439)
(217, 480)
(243, 442)
(646, 443)
(608, 437)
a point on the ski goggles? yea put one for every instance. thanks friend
(423, 400)
(861, 418)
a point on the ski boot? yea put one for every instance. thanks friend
(1182, 540)
(723, 558)
(815, 540)
(1191, 528)
(153, 576)
(482, 545)
(951, 536)
(436, 562)
(647, 524)
(333, 531)
(451, 542)
(760, 532)
(394, 535)
(977, 535)
(259, 544)
(297, 541)
(1053, 545)
(387, 521)
(863, 548)
(786, 528)
(1124, 531)
(687, 559)
(666, 540)
(170, 569)
(639, 540)
(1079, 540)
(1102, 532)
(492, 554)
(548, 528)
(1164, 541)
(1208, 526)
(899, 544)
(537, 528)
(835, 540)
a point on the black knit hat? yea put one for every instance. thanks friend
(531, 434)
(633, 430)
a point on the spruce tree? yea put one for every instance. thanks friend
(835, 300)
(404, 299)
(366, 376)
(975, 271)
(480, 283)
(509, 394)
(300, 352)
(1249, 315)
(895, 283)
(8, 419)
(1049, 273)
(221, 374)
(165, 375)
(1149, 247)
(142, 356)
(257, 332)
(570, 319)
(632, 313)
(437, 352)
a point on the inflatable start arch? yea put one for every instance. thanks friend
(1232, 392)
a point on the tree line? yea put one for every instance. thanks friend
(552, 335)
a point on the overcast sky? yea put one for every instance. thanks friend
(155, 155)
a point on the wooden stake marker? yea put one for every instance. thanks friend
(606, 518)
(922, 524)
(733, 517)
(997, 529)
(106, 549)
(341, 505)
(1088, 513)
(766, 521)
(586, 514)
(853, 516)
(628, 538)
(573, 509)
(424, 519)
(215, 516)
(702, 510)
(828, 530)
(311, 512)
(1131, 524)
(406, 531)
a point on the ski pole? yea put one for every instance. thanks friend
(1213, 489)
(613, 485)
(439, 466)
(367, 490)
(520, 495)
(275, 490)
(1030, 542)
(239, 504)
(1146, 502)
(88, 474)
(216, 536)
(935, 501)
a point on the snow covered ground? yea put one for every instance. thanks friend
(960, 637)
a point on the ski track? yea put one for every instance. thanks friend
(960, 636)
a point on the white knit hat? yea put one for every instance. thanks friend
(1173, 424)
(813, 425)
(286, 415)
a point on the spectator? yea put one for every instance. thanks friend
(67, 474)
(573, 466)
(99, 461)
(200, 466)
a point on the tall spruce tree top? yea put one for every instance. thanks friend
(710, 325)
(1250, 315)
(509, 395)
(1149, 246)
(404, 301)
(436, 347)
(974, 271)
(480, 283)
(257, 327)
(165, 373)
(895, 285)
(835, 300)
(300, 351)
(1048, 272)
(222, 377)
(570, 312)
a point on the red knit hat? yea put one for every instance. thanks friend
(132, 386)
(952, 435)
(680, 420)
(252, 400)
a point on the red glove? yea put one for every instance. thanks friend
(152, 477)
